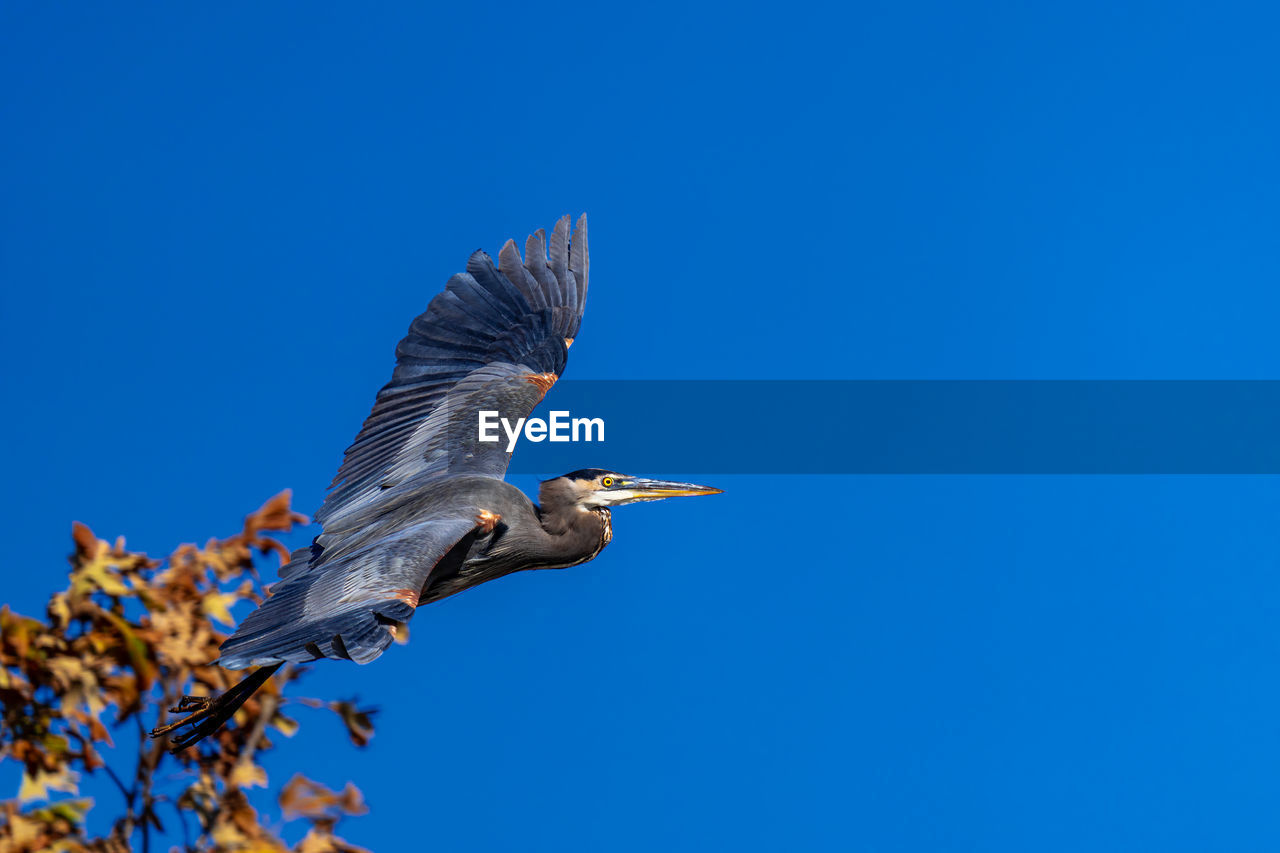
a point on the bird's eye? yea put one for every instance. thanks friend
(607, 482)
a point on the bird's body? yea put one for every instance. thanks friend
(569, 537)
(419, 510)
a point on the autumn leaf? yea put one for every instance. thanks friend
(87, 545)
(303, 797)
(134, 634)
(246, 774)
(218, 606)
(322, 840)
(287, 726)
(37, 786)
(73, 811)
(275, 515)
(135, 648)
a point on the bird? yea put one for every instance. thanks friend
(419, 509)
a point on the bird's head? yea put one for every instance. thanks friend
(596, 487)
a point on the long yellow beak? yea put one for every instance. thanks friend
(654, 489)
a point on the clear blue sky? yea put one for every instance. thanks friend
(215, 222)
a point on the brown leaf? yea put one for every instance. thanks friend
(87, 545)
(275, 515)
(132, 632)
(359, 721)
(287, 726)
(98, 732)
(303, 797)
(246, 774)
(320, 839)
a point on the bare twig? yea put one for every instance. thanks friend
(186, 829)
(127, 793)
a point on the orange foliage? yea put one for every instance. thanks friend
(128, 637)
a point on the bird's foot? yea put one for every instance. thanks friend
(204, 713)
(486, 521)
(209, 713)
(192, 703)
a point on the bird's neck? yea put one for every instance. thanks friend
(577, 534)
(559, 521)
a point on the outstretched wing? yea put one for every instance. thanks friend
(496, 339)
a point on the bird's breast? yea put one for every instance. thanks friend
(606, 536)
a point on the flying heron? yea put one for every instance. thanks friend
(419, 509)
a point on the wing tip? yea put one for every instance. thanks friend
(579, 256)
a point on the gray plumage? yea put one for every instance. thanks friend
(418, 510)
(385, 522)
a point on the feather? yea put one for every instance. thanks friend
(483, 343)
